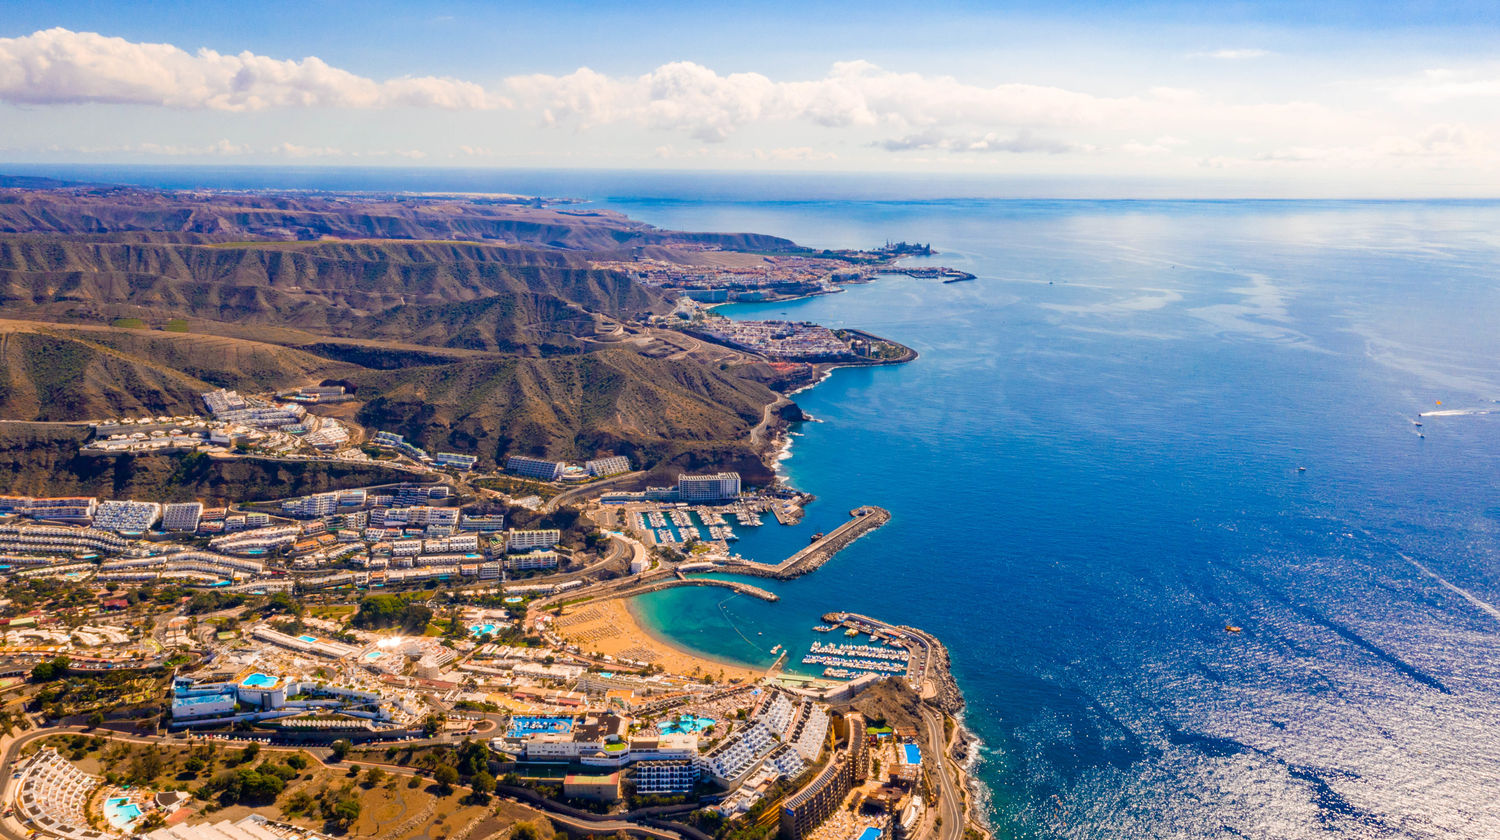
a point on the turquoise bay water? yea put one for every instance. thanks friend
(1093, 469)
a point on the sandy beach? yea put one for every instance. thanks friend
(609, 627)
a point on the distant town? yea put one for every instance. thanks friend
(719, 276)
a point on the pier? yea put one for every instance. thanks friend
(737, 586)
(926, 272)
(863, 520)
(652, 581)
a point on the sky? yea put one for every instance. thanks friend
(1397, 99)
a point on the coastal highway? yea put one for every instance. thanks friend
(758, 431)
(586, 490)
(950, 806)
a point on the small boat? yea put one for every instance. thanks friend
(1302, 469)
(1422, 436)
(851, 632)
(815, 537)
(1230, 628)
(1416, 422)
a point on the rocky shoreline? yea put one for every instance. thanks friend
(947, 698)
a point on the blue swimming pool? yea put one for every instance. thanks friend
(308, 638)
(258, 680)
(520, 726)
(870, 833)
(912, 753)
(685, 723)
(482, 629)
(121, 812)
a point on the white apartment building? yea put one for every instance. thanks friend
(256, 541)
(734, 758)
(406, 548)
(530, 561)
(810, 733)
(421, 516)
(777, 713)
(535, 467)
(666, 776)
(58, 538)
(612, 465)
(483, 524)
(528, 540)
(320, 504)
(455, 543)
(717, 487)
(126, 517)
(182, 516)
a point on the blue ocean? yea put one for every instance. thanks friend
(1144, 422)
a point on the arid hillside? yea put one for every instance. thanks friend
(464, 324)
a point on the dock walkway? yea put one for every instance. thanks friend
(863, 520)
(737, 586)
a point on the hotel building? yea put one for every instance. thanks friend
(717, 487)
(535, 467)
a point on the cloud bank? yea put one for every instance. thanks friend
(855, 111)
(58, 66)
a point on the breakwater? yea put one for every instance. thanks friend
(935, 272)
(656, 586)
(863, 520)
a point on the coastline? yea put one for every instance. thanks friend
(960, 745)
(617, 628)
(963, 745)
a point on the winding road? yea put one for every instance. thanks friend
(950, 805)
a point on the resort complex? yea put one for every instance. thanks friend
(433, 613)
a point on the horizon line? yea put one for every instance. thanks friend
(1172, 184)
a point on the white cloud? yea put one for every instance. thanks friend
(1166, 144)
(793, 153)
(867, 112)
(222, 148)
(1443, 145)
(1232, 54)
(294, 150)
(684, 96)
(1443, 85)
(902, 111)
(56, 66)
(1023, 142)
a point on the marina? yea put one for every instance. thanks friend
(848, 660)
(681, 524)
(892, 653)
